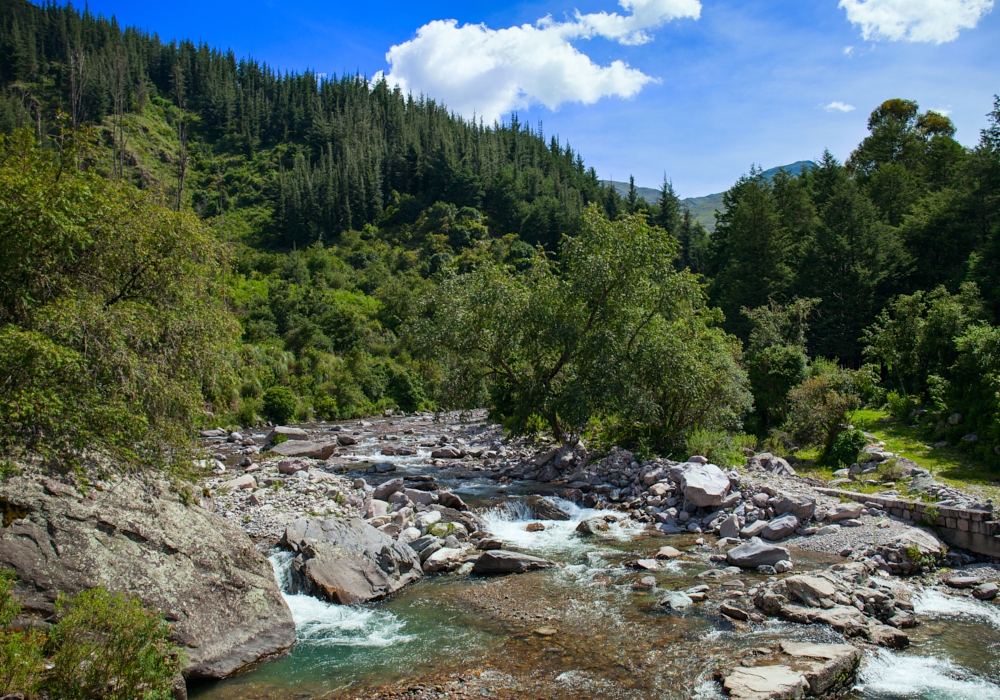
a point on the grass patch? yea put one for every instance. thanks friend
(948, 464)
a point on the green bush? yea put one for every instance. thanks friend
(846, 446)
(818, 407)
(900, 406)
(110, 647)
(720, 447)
(890, 470)
(280, 404)
(21, 651)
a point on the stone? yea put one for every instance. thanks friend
(784, 566)
(591, 526)
(546, 632)
(489, 543)
(444, 559)
(291, 466)
(886, 636)
(836, 664)
(811, 590)
(985, 591)
(534, 527)
(502, 561)
(780, 527)
(383, 491)
(765, 683)
(646, 583)
(377, 509)
(424, 521)
(241, 482)
(141, 538)
(802, 507)
(667, 553)
(348, 561)
(730, 527)
(545, 509)
(677, 600)
(424, 497)
(844, 511)
(299, 448)
(753, 529)
(827, 530)
(451, 500)
(733, 612)
(754, 553)
(287, 433)
(963, 581)
(898, 552)
(646, 564)
(704, 485)
(346, 440)
(446, 452)
(384, 467)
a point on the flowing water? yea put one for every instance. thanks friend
(612, 641)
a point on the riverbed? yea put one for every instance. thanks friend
(583, 629)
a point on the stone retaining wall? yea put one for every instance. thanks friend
(974, 530)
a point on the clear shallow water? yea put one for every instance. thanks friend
(613, 641)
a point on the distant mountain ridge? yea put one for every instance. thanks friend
(703, 208)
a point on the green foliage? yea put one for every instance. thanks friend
(720, 447)
(21, 651)
(280, 404)
(846, 446)
(930, 516)
(612, 329)
(112, 334)
(818, 407)
(890, 470)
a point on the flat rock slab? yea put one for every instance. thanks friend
(756, 552)
(704, 485)
(765, 683)
(305, 448)
(831, 664)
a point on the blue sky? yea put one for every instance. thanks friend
(700, 89)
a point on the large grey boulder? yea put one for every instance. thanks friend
(756, 552)
(348, 561)
(305, 448)
(504, 561)
(780, 527)
(140, 538)
(799, 505)
(287, 433)
(704, 485)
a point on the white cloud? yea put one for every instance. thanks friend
(942, 112)
(915, 20)
(848, 50)
(489, 72)
(839, 107)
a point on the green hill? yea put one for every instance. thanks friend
(703, 208)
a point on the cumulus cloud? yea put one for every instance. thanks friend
(915, 20)
(489, 72)
(839, 107)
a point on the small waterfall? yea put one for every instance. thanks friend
(319, 623)
(936, 603)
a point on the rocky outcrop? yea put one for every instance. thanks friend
(138, 537)
(794, 670)
(348, 561)
(545, 509)
(704, 485)
(915, 550)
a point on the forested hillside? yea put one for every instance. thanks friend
(343, 248)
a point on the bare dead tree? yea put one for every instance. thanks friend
(77, 84)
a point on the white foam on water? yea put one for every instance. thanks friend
(889, 676)
(319, 623)
(709, 690)
(507, 521)
(934, 602)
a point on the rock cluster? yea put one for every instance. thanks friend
(846, 597)
(792, 670)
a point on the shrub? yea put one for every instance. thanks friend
(846, 446)
(21, 652)
(280, 404)
(930, 516)
(719, 447)
(890, 470)
(818, 408)
(110, 647)
(900, 406)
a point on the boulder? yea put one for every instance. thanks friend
(802, 507)
(756, 552)
(814, 591)
(753, 529)
(241, 482)
(591, 526)
(503, 561)
(845, 511)
(780, 527)
(985, 591)
(447, 452)
(829, 665)
(704, 485)
(668, 553)
(911, 551)
(383, 491)
(425, 521)
(546, 509)
(730, 527)
(300, 448)
(677, 600)
(451, 500)
(292, 466)
(287, 433)
(346, 440)
(963, 581)
(141, 538)
(444, 559)
(348, 561)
